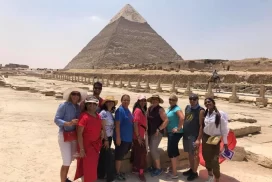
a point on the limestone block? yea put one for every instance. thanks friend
(261, 101)
(260, 154)
(243, 129)
(234, 99)
(84, 88)
(209, 94)
(2, 83)
(239, 154)
(59, 96)
(33, 90)
(121, 85)
(129, 84)
(188, 90)
(49, 93)
(21, 88)
(165, 161)
(243, 118)
(158, 88)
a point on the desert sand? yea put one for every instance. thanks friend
(29, 147)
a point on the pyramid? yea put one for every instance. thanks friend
(126, 39)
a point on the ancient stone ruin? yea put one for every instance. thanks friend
(127, 39)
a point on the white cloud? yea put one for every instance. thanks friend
(95, 18)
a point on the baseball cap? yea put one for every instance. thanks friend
(141, 97)
(193, 96)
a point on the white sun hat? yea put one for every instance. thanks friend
(68, 91)
(92, 99)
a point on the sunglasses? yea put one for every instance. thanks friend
(98, 88)
(193, 99)
(172, 100)
(91, 103)
(75, 94)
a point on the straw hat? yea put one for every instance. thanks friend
(155, 96)
(110, 98)
(68, 91)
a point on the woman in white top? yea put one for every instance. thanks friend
(215, 124)
(105, 157)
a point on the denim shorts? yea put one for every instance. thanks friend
(188, 144)
(172, 147)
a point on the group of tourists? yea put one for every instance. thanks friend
(89, 124)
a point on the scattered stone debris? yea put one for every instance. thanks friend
(243, 129)
(243, 118)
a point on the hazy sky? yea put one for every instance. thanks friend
(49, 33)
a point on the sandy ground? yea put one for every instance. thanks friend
(29, 149)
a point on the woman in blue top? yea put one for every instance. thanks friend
(66, 119)
(123, 133)
(175, 132)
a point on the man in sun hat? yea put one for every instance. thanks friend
(192, 134)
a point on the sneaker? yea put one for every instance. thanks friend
(192, 176)
(210, 179)
(187, 173)
(156, 172)
(120, 177)
(142, 177)
(150, 169)
(168, 170)
(172, 176)
(67, 180)
(123, 175)
(135, 171)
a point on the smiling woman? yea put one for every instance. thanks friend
(89, 141)
(66, 119)
(215, 127)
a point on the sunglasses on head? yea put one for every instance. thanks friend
(98, 88)
(75, 93)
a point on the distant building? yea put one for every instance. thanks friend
(11, 65)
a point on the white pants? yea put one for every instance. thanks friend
(67, 149)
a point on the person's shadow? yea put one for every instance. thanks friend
(203, 174)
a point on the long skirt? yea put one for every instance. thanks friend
(138, 156)
(87, 166)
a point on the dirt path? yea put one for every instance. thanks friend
(29, 150)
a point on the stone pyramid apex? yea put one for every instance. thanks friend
(129, 13)
(127, 39)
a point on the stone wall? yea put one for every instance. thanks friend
(183, 78)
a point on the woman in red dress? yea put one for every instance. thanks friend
(89, 141)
